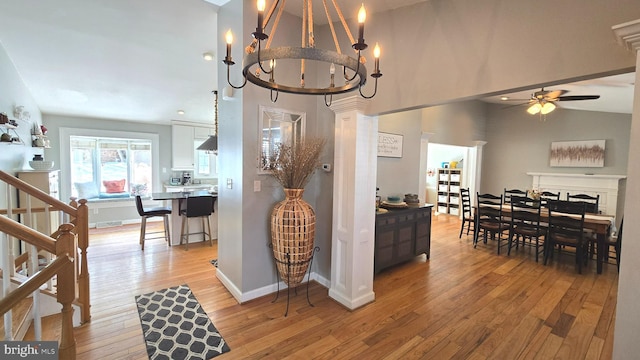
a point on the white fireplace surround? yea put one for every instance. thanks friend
(609, 187)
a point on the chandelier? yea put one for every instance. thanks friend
(261, 60)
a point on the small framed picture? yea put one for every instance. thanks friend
(389, 145)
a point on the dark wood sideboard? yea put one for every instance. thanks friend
(402, 235)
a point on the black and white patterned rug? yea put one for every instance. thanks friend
(175, 326)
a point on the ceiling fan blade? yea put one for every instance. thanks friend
(514, 105)
(578, 97)
(519, 100)
(555, 94)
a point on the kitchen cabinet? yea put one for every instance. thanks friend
(182, 147)
(183, 138)
(401, 235)
(449, 181)
(47, 181)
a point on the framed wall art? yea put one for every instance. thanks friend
(589, 153)
(389, 145)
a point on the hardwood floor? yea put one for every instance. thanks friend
(463, 303)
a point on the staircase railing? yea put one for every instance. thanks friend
(76, 216)
(64, 247)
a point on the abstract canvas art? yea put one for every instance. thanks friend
(589, 153)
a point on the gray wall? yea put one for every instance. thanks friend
(399, 176)
(513, 128)
(459, 123)
(244, 235)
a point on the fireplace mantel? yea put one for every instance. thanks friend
(609, 187)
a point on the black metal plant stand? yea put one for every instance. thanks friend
(295, 289)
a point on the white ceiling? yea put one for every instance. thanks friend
(142, 60)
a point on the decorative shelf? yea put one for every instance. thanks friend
(11, 131)
(44, 138)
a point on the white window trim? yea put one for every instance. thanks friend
(65, 155)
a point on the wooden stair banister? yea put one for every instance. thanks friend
(37, 193)
(77, 213)
(26, 288)
(64, 247)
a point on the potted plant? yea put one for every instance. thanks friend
(293, 219)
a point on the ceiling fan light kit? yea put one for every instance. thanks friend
(543, 102)
(543, 107)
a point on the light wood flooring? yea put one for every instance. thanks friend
(463, 303)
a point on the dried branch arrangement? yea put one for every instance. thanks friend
(294, 165)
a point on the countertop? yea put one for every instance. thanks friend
(182, 194)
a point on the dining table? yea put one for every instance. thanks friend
(176, 199)
(600, 224)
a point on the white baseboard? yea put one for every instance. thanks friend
(265, 290)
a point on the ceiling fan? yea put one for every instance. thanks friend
(543, 101)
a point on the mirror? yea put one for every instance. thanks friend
(277, 126)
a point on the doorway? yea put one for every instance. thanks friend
(449, 168)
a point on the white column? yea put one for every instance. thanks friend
(354, 191)
(626, 344)
(424, 155)
(477, 166)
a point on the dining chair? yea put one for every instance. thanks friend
(196, 207)
(591, 202)
(467, 212)
(525, 223)
(548, 195)
(489, 219)
(616, 243)
(145, 214)
(566, 229)
(512, 192)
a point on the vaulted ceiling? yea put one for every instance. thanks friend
(143, 61)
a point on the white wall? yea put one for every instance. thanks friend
(440, 51)
(13, 92)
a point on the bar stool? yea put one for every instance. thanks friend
(149, 213)
(196, 207)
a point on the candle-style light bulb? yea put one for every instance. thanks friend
(272, 64)
(261, 6)
(229, 38)
(332, 72)
(362, 16)
(376, 56)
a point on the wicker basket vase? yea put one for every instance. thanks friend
(293, 228)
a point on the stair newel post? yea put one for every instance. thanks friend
(66, 246)
(82, 229)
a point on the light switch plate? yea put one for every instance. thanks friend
(257, 185)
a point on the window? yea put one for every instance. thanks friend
(112, 167)
(205, 162)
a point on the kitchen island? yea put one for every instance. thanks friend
(401, 235)
(176, 221)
